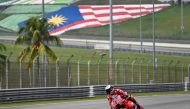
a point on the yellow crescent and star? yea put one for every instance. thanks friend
(57, 20)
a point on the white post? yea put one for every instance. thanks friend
(89, 62)
(69, 70)
(132, 71)
(186, 83)
(186, 87)
(147, 73)
(20, 70)
(30, 79)
(78, 70)
(140, 72)
(45, 70)
(33, 71)
(57, 72)
(124, 71)
(98, 72)
(116, 63)
(100, 60)
(7, 71)
(182, 73)
(91, 91)
(7, 75)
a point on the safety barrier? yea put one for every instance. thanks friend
(138, 88)
(188, 86)
(32, 94)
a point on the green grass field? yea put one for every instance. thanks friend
(65, 53)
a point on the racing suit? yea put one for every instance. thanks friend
(123, 95)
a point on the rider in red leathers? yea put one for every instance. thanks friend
(111, 91)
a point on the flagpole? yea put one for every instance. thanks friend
(182, 26)
(140, 2)
(153, 36)
(111, 40)
(43, 8)
(43, 56)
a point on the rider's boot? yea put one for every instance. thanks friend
(138, 106)
(131, 98)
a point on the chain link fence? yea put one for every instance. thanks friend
(67, 74)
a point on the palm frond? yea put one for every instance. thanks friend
(3, 56)
(24, 53)
(21, 30)
(36, 36)
(23, 39)
(45, 50)
(54, 39)
(2, 48)
(34, 53)
(50, 53)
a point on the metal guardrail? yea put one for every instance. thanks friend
(19, 95)
(188, 86)
(32, 94)
(141, 88)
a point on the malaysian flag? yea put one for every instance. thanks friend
(86, 16)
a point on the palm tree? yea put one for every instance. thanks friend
(35, 35)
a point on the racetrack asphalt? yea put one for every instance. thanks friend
(179, 101)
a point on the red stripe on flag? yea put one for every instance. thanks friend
(105, 14)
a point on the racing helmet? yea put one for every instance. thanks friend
(108, 89)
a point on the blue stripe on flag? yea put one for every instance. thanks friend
(63, 17)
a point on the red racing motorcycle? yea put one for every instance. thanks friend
(119, 103)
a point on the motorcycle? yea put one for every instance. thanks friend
(120, 103)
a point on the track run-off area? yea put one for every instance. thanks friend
(173, 101)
